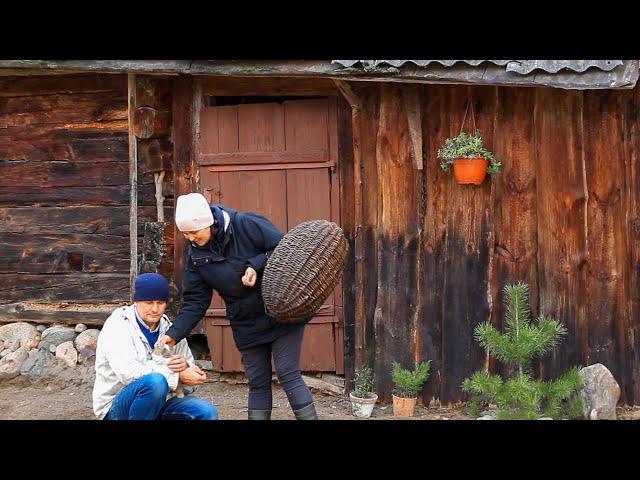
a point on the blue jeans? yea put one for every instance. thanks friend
(145, 399)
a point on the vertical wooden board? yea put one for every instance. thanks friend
(261, 127)
(334, 176)
(629, 334)
(318, 351)
(514, 202)
(214, 339)
(308, 195)
(436, 128)
(606, 242)
(561, 195)
(347, 216)
(262, 192)
(228, 128)
(308, 198)
(306, 125)
(186, 106)
(231, 357)
(467, 254)
(397, 308)
(369, 120)
(209, 129)
(339, 343)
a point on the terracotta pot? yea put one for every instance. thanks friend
(403, 407)
(470, 170)
(362, 407)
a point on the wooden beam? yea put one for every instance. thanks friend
(624, 76)
(356, 126)
(186, 125)
(411, 98)
(133, 182)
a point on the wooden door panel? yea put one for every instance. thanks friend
(306, 125)
(263, 156)
(261, 127)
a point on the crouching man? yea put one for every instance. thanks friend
(129, 384)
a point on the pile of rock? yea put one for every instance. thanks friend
(28, 350)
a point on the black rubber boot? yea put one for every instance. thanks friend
(306, 413)
(259, 414)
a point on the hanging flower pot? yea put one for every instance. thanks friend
(466, 152)
(470, 170)
(470, 159)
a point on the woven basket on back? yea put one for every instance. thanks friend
(303, 270)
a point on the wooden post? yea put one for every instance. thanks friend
(356, 109)
(186, 127)
(133, 183)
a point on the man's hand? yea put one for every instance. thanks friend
(168, 340)
(192, 376)
(250, 277)
(177, 363)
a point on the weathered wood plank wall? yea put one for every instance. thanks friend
(63, 191)
(563, 216)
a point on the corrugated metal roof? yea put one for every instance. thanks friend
(522, 67)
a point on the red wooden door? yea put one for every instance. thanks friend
(277, 160)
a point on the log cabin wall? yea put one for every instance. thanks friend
(562, 216)
(64, 193)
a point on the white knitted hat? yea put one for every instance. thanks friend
(193, 213)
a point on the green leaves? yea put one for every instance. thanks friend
(467, 145)
(522, 397)
(363, 382)
(409, 383)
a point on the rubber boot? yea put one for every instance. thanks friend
(306, 413)
(259, 414)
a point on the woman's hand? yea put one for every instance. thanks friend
(168, 340)
(250, 277)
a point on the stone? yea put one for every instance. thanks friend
(204, 364)
(1, 345)
(545, 418)
(11, 363)
(87, 339)
(12, 344)
(41, 328)
(600, 393)
(85, 354)
(81, 327)
(56, 336)
(68, 353)
(5, 352)
(37, 362)
(17, 331)
(30, 342)
(52, 348)
(486, 417)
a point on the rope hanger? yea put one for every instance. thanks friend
(473, 114)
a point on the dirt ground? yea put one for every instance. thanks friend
(65, 394)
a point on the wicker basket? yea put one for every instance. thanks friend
(303, 270)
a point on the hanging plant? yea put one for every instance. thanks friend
(470, 159)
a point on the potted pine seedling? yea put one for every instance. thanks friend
(470, 159)
(407, 385)
(362, 398)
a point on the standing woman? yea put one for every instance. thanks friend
(227, 253)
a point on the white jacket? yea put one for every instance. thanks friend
(123, 355)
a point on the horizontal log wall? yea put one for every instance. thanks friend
(64, 194)
(64, 190)
(562, 216)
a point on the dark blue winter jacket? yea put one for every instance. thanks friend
(220, 265)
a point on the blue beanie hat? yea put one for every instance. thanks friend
(151, 286)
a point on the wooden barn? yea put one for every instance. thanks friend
(93, 155)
